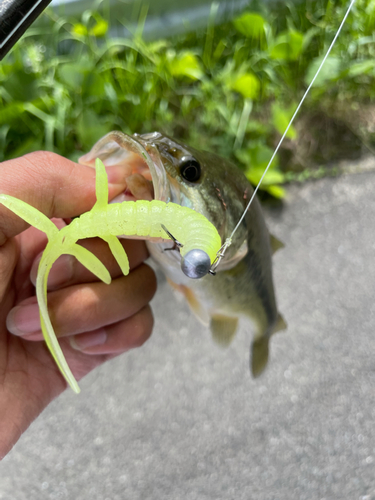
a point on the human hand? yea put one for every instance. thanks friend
(94, 321)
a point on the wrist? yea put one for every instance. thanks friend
(16, 414)
(10, 429)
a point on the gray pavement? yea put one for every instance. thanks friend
(182, 419)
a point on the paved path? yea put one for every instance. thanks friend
(182, 419)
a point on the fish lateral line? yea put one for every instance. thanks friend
(228, 241)
(198, 236)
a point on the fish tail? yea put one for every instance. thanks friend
(260, 348)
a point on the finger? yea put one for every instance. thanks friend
(118, 338)
(54, 185)
(82, 308)
(68, 270)
(8, 260)
(121, 337)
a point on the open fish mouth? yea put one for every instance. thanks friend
(144, 172)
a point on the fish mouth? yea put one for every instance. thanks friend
(138, 157)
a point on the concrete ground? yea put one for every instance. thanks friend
(181, 418)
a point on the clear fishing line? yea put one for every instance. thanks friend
(228, 241)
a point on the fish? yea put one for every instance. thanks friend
(158, 167)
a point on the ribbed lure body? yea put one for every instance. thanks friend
(145, 219)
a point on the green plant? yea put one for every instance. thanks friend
(229, 89)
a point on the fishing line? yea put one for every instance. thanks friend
(228, 241)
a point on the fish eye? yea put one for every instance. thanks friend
(190, 169)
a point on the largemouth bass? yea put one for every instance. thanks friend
(157, 167)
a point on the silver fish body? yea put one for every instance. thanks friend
(157, 166)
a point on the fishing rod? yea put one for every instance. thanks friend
(15, 17)
(228, 241)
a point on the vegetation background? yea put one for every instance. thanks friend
(230, 88)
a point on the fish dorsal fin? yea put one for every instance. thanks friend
(101, 186)
(223, 328)
(276, 244)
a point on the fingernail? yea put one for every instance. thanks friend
(61, 272)
(23, 319)
(85, 340)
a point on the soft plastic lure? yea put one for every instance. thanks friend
(197, 239)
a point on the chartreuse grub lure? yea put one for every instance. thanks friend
(196, 238)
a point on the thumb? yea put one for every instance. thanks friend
(54, 185)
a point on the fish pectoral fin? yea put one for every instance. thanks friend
(223, 328)
(194, 304)
(259, 355)
(118, 253)
(276, 244)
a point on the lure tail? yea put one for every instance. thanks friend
(49, 335)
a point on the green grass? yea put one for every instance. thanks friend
(230, 89)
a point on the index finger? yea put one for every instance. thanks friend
(54, 185)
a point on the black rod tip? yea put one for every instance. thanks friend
(15, 17)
